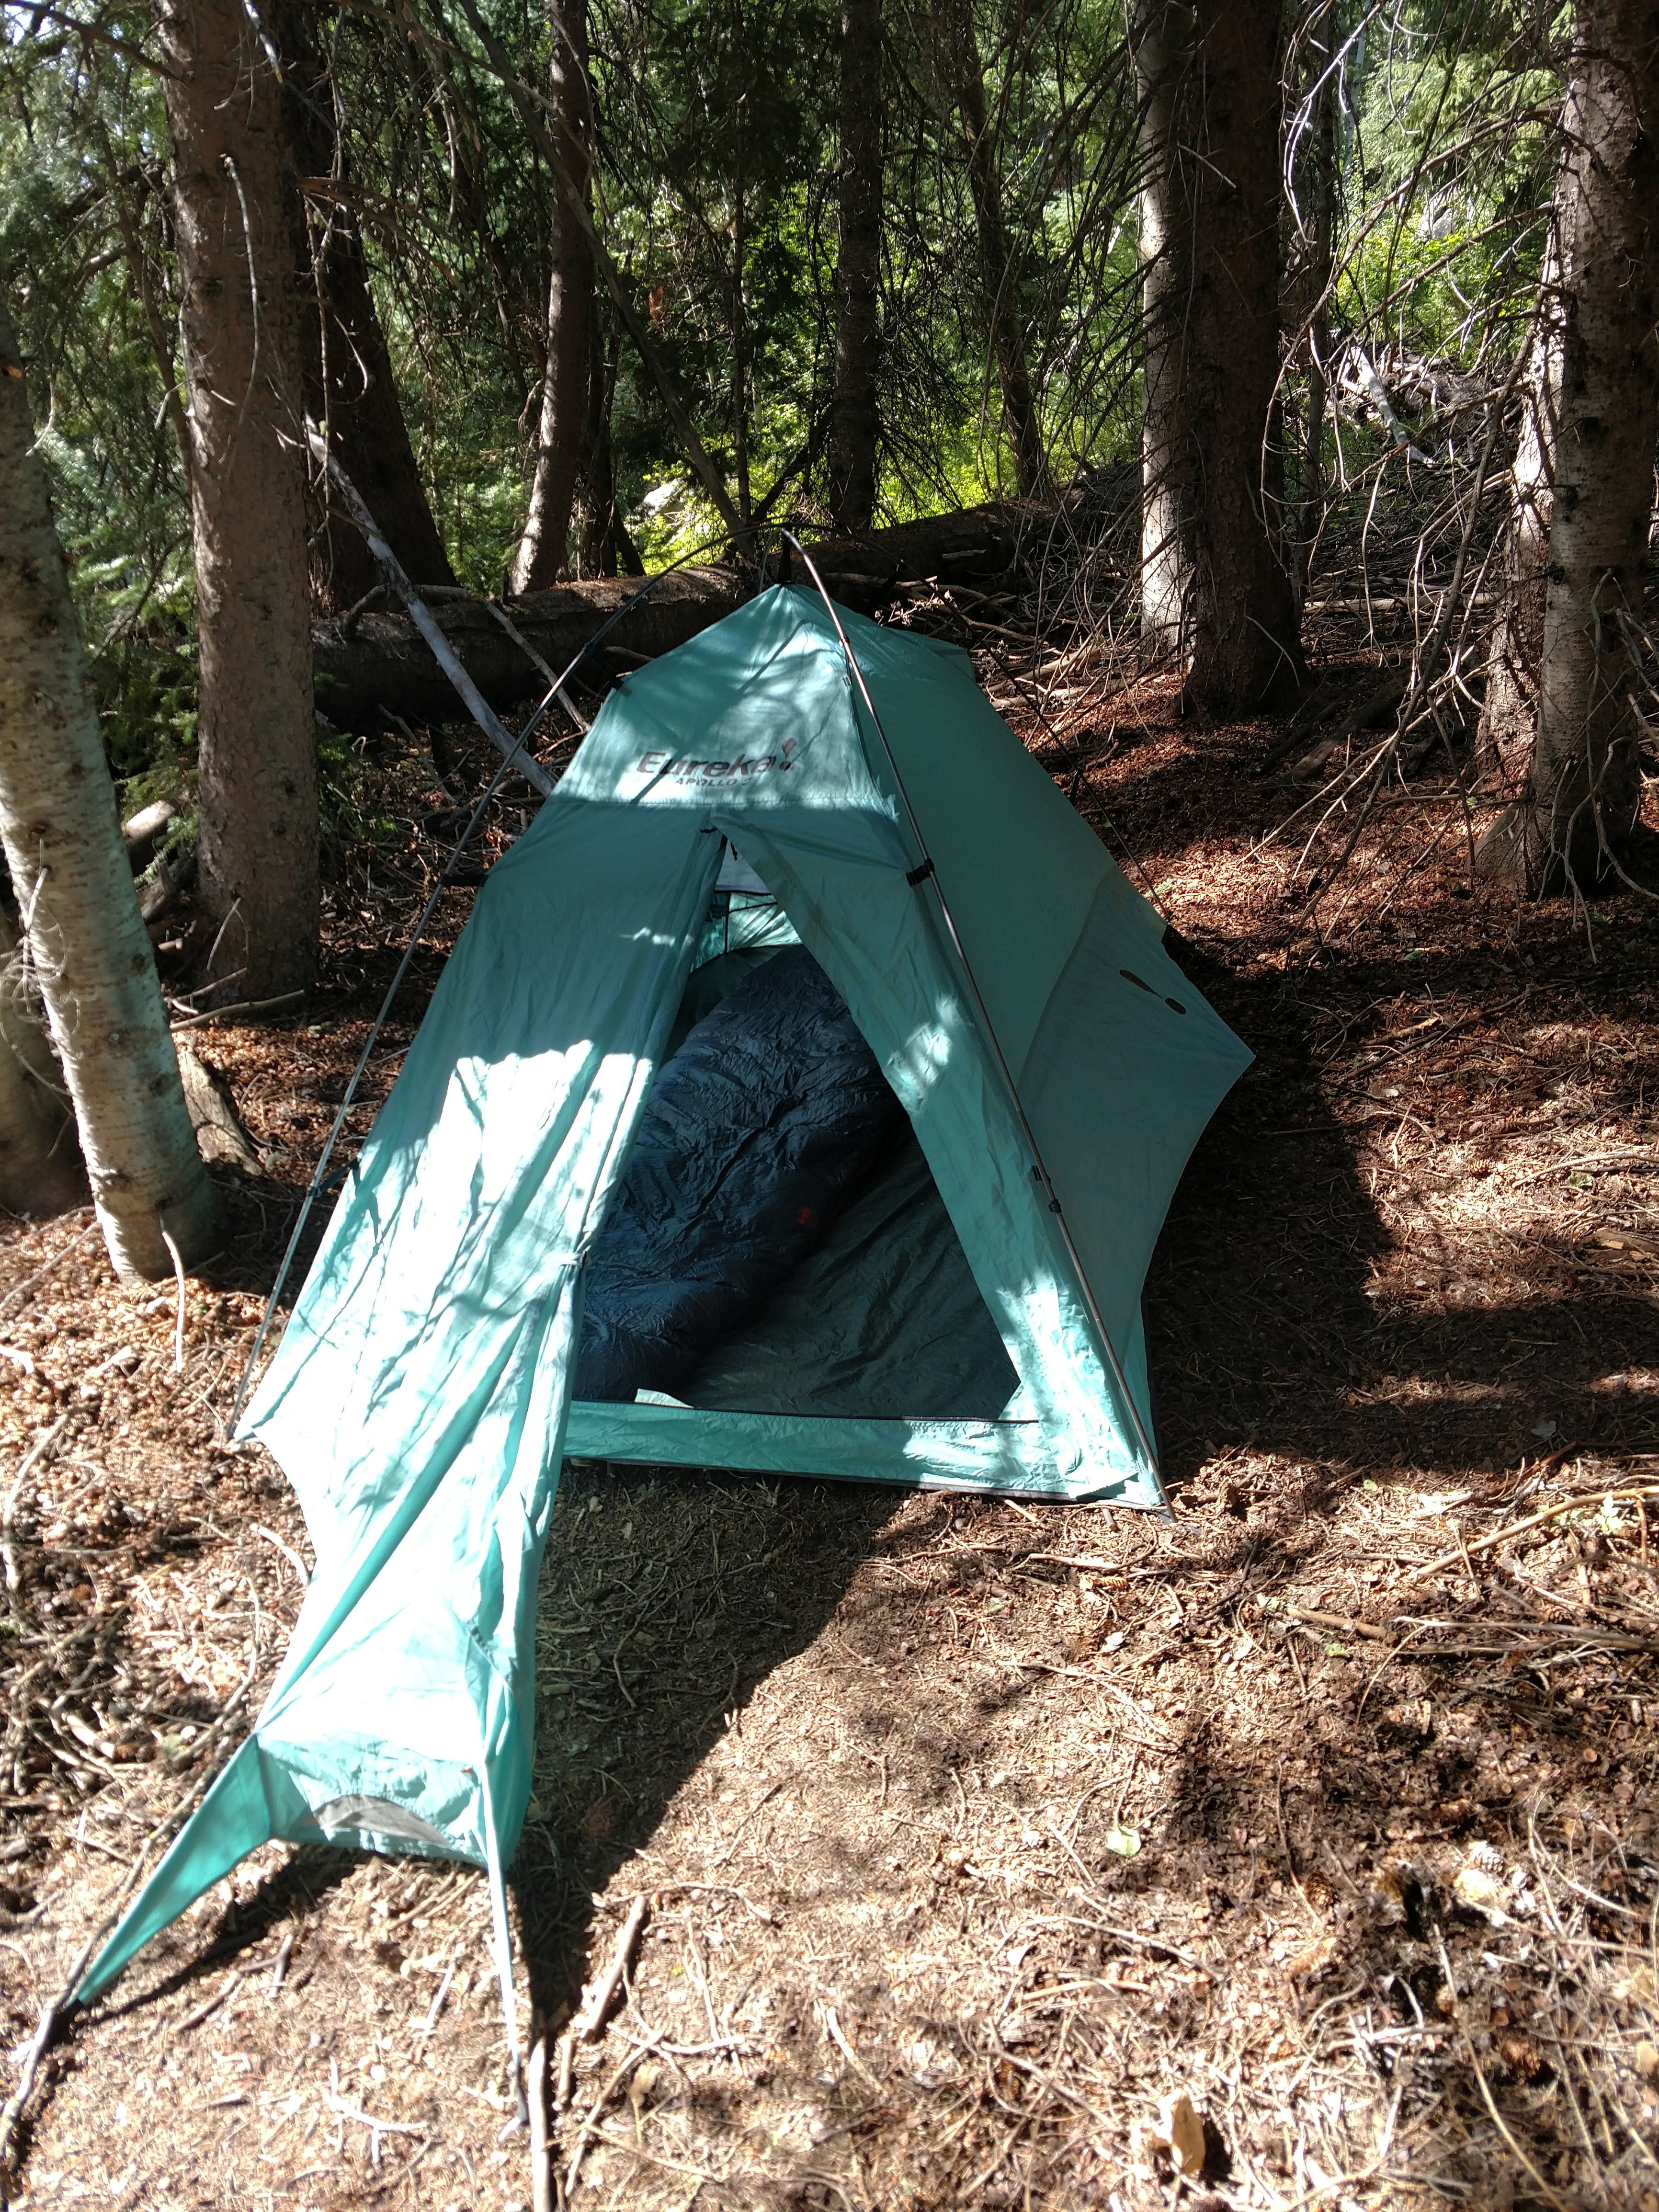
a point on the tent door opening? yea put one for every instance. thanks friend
(872, 1311)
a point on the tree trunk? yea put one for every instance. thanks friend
(1162, 35)
(668, 387)
(854, 426)
(1215, 589)
(603, 547)
(741, 345)
(40, 1169)
(998, 274)
(561, 433)
(378, 664)
(1309, 293)
(345, 365)
(1246, 651)
(1508, 711)
(1583, 793)
(69, 867)
(257, 734)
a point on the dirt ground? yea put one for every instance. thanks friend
(1299, 1850)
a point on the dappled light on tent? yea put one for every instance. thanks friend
(942, 1329)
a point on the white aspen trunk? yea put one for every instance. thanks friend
(563, 426)
(39, 1158)
(1508, 711)
(1582, 791)
(1162, 35)
(63, 841)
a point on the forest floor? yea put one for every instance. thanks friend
(1302, 1850)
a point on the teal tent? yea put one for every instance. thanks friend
(760, 785)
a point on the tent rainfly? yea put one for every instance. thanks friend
(794, 776)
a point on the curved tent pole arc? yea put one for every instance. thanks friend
(925, 873)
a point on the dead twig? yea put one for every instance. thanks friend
(31, 1459)
(1532, 1521)
(838, 2036)
(598, 2001)
(541, 2154)
(1340, 1623)
(596, 2110)
(47, 1265)
(279, 1970)
(52, 2014)
(231, 1984)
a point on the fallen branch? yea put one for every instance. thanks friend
(541, 2152)
(476, 705)
(1533, 1520)
(599, 1998)
(381, 667)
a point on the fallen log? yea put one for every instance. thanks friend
(369, 666)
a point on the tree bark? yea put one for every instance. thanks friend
(561, 432)
(1163, 37)
(854, 425)
(1246, 651)
(40, 1169)
(741, 345)
(1508, 710)
(257, 735)
(377, 663)
(1308, 290)
(1582, 796)
(347, 380)
(999, 275)
(603, 547)
(1217, 593)
(68, 865)
(673, 401)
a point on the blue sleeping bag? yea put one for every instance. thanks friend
(761, 1125)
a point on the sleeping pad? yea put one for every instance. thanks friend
(755, 1132)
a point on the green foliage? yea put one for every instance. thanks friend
(715, 189)
(82, 232)
(1447, 175)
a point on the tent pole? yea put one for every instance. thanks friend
(511, 759)
(925, 873)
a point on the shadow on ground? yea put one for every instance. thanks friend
(667, 1596)
(1271, 1325)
